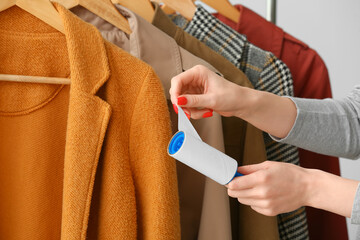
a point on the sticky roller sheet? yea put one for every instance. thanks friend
(187, 147)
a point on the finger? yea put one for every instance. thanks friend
(195, 101)
(200, 113)
(247, 193)
(195, 113)
(186, 111)
(264, 211)
(243, 182)
(192, 76)
(250, 202)
(253, 168)
(259, 204)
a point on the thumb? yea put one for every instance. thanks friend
(194, 101)
(253, 168)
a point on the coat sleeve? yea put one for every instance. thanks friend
(328, 126)
(154, 172)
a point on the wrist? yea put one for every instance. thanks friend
(312, 182)
(330, 192)
(256, 106)
(247, 103)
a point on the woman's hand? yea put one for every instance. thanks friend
(271, 188)
(200, 91)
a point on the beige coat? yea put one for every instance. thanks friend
(242, 141)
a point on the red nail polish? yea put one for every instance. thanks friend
(207, 114)
(175, 108)
(188, 115)
(182, 101)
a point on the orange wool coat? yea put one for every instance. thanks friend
(119, 182)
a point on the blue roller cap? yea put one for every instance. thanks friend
(176, 142)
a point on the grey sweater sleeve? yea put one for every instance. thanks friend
(327, 126)
(330, 127)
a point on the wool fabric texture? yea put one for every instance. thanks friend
(89, 160)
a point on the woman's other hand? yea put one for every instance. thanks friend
(271, 188)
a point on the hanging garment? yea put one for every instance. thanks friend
(311, 80)
(267, 73)
(89, 160)
(310, 75)
(203, 202)
(248, 149)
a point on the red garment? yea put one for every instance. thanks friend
(311, 80)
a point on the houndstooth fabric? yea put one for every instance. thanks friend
(267, 73)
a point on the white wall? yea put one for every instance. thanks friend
(332, 28)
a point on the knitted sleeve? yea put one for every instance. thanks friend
(328, 126)
(154, 172)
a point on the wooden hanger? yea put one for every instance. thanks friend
(46, 12)
(166, 9)
(42, 9)
(34, 79)
(222, 6)
(102, 8)
(225, 8)
(141, 7)
(185, 7)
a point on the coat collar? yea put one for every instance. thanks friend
(88, 119)
(154, 47)
(162, 21)
(158, 49)
(148, 43)
(89, 64)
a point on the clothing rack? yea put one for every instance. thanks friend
(271, 11)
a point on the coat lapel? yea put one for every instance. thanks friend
(88, 119)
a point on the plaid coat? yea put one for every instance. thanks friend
(267, 73)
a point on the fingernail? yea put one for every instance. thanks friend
(182, 101)
(207, 114)
(188, 115)
(175, 108)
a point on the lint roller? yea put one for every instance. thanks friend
(187, 147)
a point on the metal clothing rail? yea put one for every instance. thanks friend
(271, 11)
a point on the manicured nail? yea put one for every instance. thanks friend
(182, 101)
(188, 115)
(207, 114)
(175, 108)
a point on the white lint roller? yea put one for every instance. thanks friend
(187, 147)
